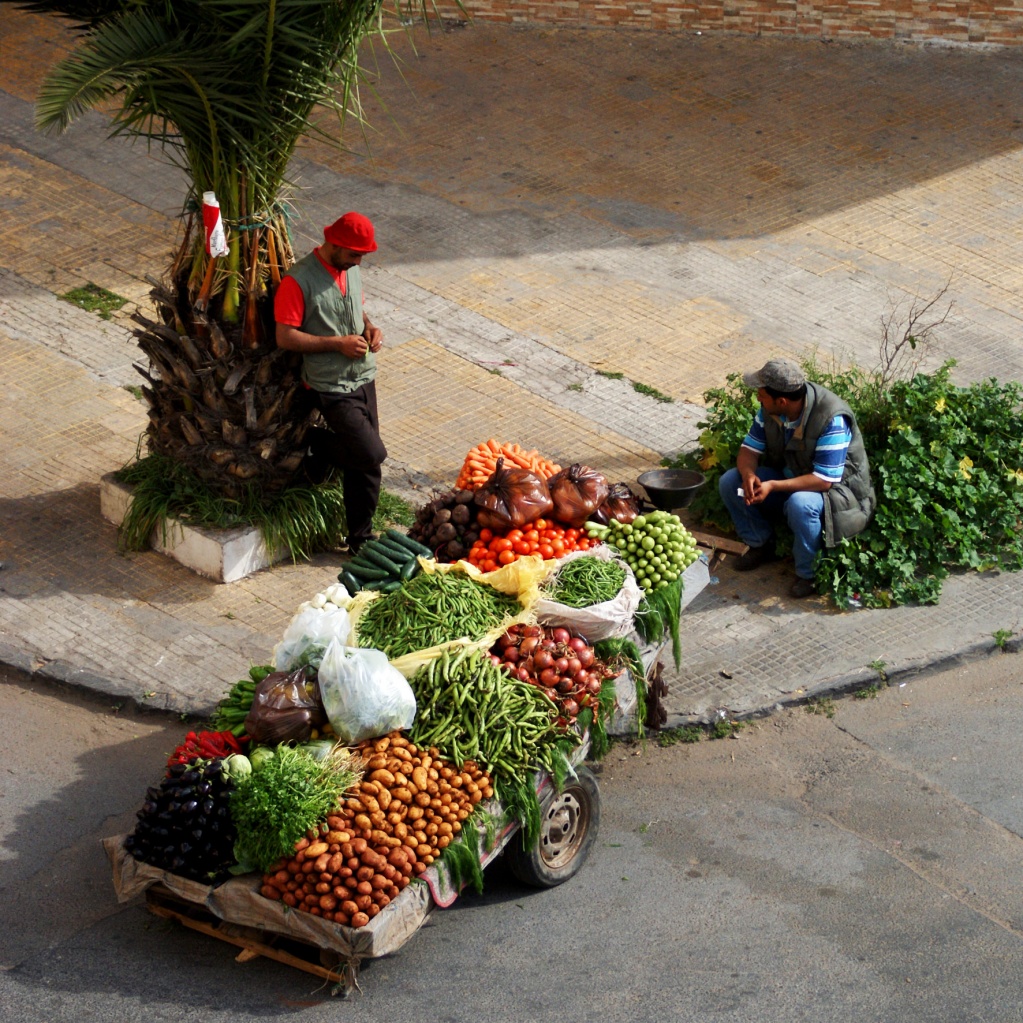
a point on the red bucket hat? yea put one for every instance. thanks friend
(352, 231)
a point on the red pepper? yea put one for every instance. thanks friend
(208, 745)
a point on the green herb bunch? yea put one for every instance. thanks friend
(280, 801)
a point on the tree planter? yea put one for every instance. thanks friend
(224, 555)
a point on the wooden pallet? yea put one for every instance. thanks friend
(254, 943)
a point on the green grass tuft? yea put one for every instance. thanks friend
(94, 299)
(652, 392)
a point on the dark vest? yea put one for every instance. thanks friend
(847, 505)
(329, 313)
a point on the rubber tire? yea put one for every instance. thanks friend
(569, 822)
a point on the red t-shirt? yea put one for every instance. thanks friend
(289, 302)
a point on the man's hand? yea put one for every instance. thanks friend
(758, 490)
(374, 337)
(750, 483)
(354, 346)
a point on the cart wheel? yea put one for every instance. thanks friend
(569, 822)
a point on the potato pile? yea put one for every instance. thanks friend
(409, 806)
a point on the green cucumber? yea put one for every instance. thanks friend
(380, 560)
(406, 541)
(393, 550)
(410, 569)
(349, 582)
(384, 585)
(367, 572)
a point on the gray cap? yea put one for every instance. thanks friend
(778, 374)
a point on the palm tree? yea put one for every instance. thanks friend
(225, 88)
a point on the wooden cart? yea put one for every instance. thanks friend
(235, 912)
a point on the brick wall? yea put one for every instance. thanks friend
(997, 22)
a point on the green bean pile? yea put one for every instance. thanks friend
(583, 582)
(432, 609)
(472, 709)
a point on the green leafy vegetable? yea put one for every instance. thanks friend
(284, 796)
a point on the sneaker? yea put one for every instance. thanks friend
(802, 588)
(757, 556)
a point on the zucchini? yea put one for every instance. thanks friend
(380, 560)
(406, 541)
(350, 583)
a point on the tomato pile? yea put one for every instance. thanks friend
(545, 537)
(561, 664)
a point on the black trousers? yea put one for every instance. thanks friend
(353, 447)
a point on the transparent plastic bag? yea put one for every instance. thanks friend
(285, 708)
(309, 634)
(363, 694)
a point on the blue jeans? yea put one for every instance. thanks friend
(803, 512)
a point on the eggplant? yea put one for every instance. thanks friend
(190, 807)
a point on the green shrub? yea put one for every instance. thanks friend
(947, 465)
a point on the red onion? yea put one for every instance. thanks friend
(577, 643)
(561, 635)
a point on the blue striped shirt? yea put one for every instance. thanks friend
(829, 455)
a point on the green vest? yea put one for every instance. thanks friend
(847, 505)
(328, 313)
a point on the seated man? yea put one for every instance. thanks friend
(803, 457)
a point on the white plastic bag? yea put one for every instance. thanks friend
(609, 620)
(308, 636)
(363, 694)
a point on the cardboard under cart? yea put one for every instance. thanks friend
(235, 912)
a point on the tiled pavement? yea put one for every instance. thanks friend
(553, 206)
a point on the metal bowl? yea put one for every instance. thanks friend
(671, 489)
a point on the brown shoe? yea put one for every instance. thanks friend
(802, 588)
(757, 556)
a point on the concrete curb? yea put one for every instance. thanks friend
(63, 676)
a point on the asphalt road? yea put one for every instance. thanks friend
(866, 866)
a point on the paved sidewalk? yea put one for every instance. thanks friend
(688, 209)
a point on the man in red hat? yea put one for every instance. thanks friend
(318, 309)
